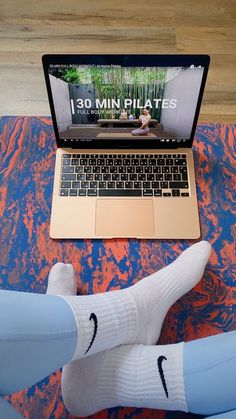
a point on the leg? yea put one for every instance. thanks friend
(209, 374)
(38, 335)
(198, 377)
(226, 415)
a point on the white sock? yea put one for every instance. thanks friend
(129, 375)
(61, 280)
(135, 314)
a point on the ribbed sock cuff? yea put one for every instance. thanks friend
(103, 320)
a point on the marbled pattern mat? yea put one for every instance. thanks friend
(27, 158)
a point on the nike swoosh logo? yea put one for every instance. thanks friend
(160, 369)
(95, 320)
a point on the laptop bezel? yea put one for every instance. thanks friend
(172, 60)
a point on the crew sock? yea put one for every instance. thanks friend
(135, 314)
(129, 375)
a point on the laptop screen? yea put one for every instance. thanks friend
(123, 103)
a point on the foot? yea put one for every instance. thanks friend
(129, 375)
(135, 314)
(61, 280)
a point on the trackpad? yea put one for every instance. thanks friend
(124, 218)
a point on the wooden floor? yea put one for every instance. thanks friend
(29, 29)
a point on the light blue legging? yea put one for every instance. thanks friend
(38, 335)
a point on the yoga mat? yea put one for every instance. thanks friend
(27, 158)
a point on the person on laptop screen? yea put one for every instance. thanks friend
(144, 119)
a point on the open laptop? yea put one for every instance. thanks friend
(124, 126)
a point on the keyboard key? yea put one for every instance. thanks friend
(67, 169)
(65, 185)
(156, 169)
(175, 192)
(120, 192)
(105, 169)
(73, 192)
(166, 194)
(168, 176)
(178, 185)
(148, 169)
(133, 176)
(75, 185)
(164, 185)
(123, 176)
(120, 185)
(129, 185)
(141, 176)
(93, 185)
(66, 156)
(152, 162)
(174, 169)
(107, 176)
(69, 177)
(184, 194)
(159, 177)
(177, 176)
(92, 192)
(111, 185)
(137, 185)
(82, 192)
(114, 169)
(102, 185)
(81, 176)
(169, 162)
(180, 162)
(98, 176)
(147, 192)
(78, 169)
(75, 162)
(84, 162)
(184, 176)
(157, 192)
(89, 176)
(165, 169)
(131, 169)
(96, 169)
(126, 162)
(116, 176)
(155, 185)
(87, 169)
(84, 185)
(146, 185)
(64, 192)
(150, 176)
(66, 162)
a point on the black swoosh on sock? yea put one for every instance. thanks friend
(160, 369)
(95, 320)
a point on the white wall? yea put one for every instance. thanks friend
(61, 100)
(185, 88)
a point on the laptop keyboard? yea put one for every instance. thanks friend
(156, 175)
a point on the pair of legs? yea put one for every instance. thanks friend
(140, 131)
(39, 334)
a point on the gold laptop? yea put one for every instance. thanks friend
(124, 126)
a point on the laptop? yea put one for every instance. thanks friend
(124, 127)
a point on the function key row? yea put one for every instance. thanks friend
(120, 156)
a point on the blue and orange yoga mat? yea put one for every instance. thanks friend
(27, 158)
